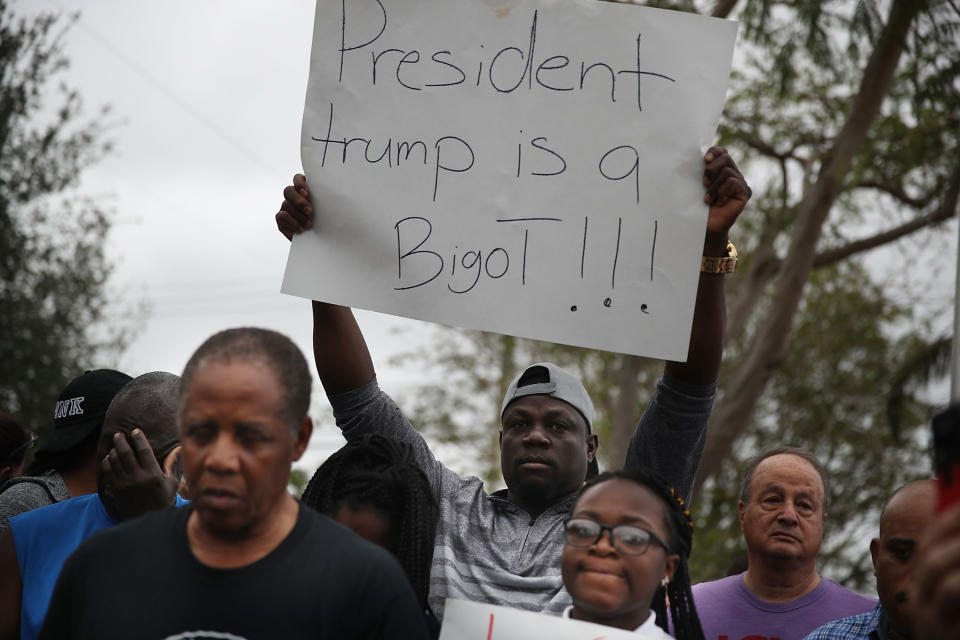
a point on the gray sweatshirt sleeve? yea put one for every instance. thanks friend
(20, 498)
(672, 431)
(370, 410)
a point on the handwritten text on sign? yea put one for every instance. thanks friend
(463, 620)
(530, 167)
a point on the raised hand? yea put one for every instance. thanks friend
(296, 213)
(727, 191)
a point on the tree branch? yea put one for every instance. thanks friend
(763, 147)
(723, 8)
(772, 265)
(832, 256)
(897, 192)
(946, 210)
(746, 299)
(767, 149)
(953, 5)
(735, 410)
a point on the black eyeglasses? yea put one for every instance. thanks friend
(628, 539)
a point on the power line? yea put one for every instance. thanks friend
(171, 94)
(194, 216)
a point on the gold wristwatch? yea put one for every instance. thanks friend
(710, 264)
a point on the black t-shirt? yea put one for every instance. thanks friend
(141, 580)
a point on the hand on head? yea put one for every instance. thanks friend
(132, 479)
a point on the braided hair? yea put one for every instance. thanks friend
(381, 473)
(683, 612)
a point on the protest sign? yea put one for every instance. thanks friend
(464, 620)
(530, 167)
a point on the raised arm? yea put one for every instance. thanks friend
(342, 358)
(727, 194)
(672, 431)
(344, 363)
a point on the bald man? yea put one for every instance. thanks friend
(908, 513)
(139, 471)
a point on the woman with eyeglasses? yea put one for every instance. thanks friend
(14, 443)
(628, 539)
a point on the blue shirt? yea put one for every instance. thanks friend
(871, 625)
(44, 538)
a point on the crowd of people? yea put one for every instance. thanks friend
(158, 506)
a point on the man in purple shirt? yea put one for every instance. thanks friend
(780, 596)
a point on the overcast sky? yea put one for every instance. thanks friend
(206, 100)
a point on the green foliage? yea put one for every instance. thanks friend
(924, 363)
(298, 481)
(53, 271)
(831, 394)
(828, 397)
(856, 340)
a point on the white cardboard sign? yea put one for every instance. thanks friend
(464, 620)
(529, 167)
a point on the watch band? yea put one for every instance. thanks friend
(727, 264)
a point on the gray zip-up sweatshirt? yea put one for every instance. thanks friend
(489, 550)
